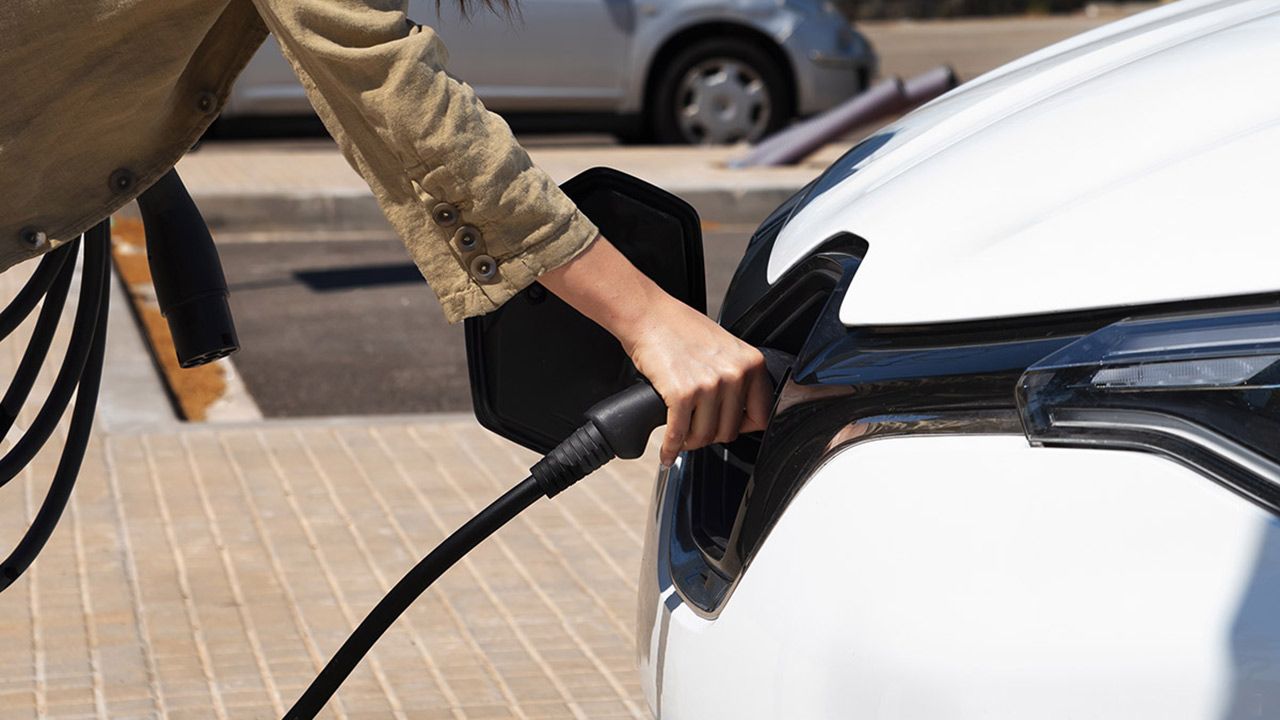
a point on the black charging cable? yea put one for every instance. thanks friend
(616, 427)
(24, 378)
(80, 374)
(35, 288)
(93, 291)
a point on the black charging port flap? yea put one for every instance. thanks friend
(536, 364)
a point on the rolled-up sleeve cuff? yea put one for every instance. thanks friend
(521, 269)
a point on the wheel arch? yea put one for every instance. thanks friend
(688, 36)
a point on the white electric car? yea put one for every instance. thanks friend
(1027, 460)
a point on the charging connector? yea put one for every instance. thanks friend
(191, 289)
(617, 427)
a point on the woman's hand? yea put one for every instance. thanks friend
(714, 385)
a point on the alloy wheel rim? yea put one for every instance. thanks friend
(721, 101)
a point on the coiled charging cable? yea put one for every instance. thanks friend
(79, 375)
(616, 427)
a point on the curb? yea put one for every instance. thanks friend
(283, 213)
(134, 396)
(304, 213)
(748, 206)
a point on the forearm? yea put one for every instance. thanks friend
(603, 285)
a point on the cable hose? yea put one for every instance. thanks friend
(34, 289)
(405, 592)
(96, 278)
(38, 348)
(579, 455)
(93, 287)
(618, 426)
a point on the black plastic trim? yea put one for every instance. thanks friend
(750, 281)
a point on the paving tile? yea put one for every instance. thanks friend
(210, 571)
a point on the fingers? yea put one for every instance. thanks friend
(693, 417)
(678, 412)
(732, 407)
(714, 385)
(706, 416)
(737, 400)
(759, 400)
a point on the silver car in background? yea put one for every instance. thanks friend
(673, 71)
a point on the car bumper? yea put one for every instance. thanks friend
(978, 577)
(832, 79)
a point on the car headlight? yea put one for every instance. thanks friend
(1201, 389)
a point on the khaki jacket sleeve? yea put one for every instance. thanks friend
(479, 219)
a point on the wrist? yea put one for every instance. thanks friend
(603, 285)
(636, 316)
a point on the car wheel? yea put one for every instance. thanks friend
(717, 92)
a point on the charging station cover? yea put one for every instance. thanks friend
(536, 364)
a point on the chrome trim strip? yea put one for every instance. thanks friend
(1168, 426)
(849, 62)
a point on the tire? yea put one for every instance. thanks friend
(634, 130)
(720, 91)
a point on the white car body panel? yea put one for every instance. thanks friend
(977, 577)
(1134, 164)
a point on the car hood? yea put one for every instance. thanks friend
(1136, 163)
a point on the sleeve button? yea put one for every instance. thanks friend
(445, 215)
(121, 180)
(467, 239)
(33, 237)
(484, 268)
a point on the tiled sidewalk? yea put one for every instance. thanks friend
(209, 571)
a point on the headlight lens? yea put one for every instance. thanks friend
(1202, 389)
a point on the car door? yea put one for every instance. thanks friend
(561, 55)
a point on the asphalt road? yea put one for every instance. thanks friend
(972, 46)
(350, 327)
